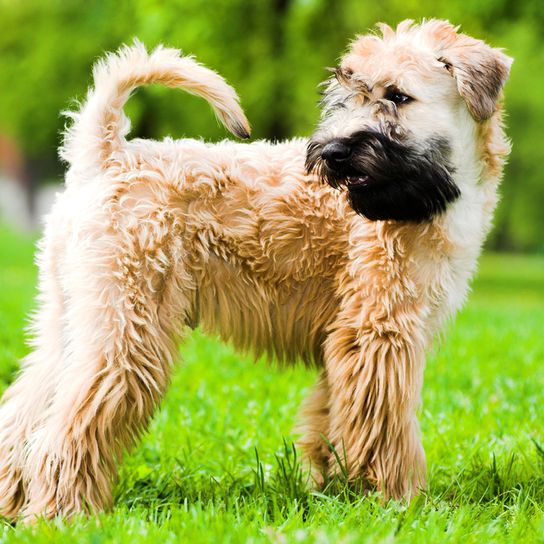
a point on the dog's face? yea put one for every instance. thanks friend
(397, 116)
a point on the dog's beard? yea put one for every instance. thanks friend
(388, 178)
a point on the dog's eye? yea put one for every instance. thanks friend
(397, 97)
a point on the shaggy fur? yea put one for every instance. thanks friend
(150, 238)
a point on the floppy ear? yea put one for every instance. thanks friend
(480, 71)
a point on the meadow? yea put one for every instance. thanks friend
(218, 465)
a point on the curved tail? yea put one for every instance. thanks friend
(99, 128)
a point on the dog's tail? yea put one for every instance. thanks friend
(99, 128)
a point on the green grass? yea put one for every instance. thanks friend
(196, 476)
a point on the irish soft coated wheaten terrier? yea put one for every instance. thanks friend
(349, 250)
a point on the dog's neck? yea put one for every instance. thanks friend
(479, 163)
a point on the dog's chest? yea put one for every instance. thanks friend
(444, 265)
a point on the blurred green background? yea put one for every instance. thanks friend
(274, 52)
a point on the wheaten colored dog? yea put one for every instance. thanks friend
(151, 237)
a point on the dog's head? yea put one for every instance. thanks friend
(400, 118)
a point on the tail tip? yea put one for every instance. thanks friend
(241, 131)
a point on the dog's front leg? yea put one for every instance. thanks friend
(313, 427)
(374, 359)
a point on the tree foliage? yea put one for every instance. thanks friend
(274, 52)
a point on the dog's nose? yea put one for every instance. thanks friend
(335, 153)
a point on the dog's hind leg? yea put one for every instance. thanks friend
(25, 400)
(126, 298)
(23, 404)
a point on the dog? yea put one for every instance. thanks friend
(349, 251)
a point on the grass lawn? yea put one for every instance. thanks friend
(196, 476)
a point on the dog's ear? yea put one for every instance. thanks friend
(480, 71)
